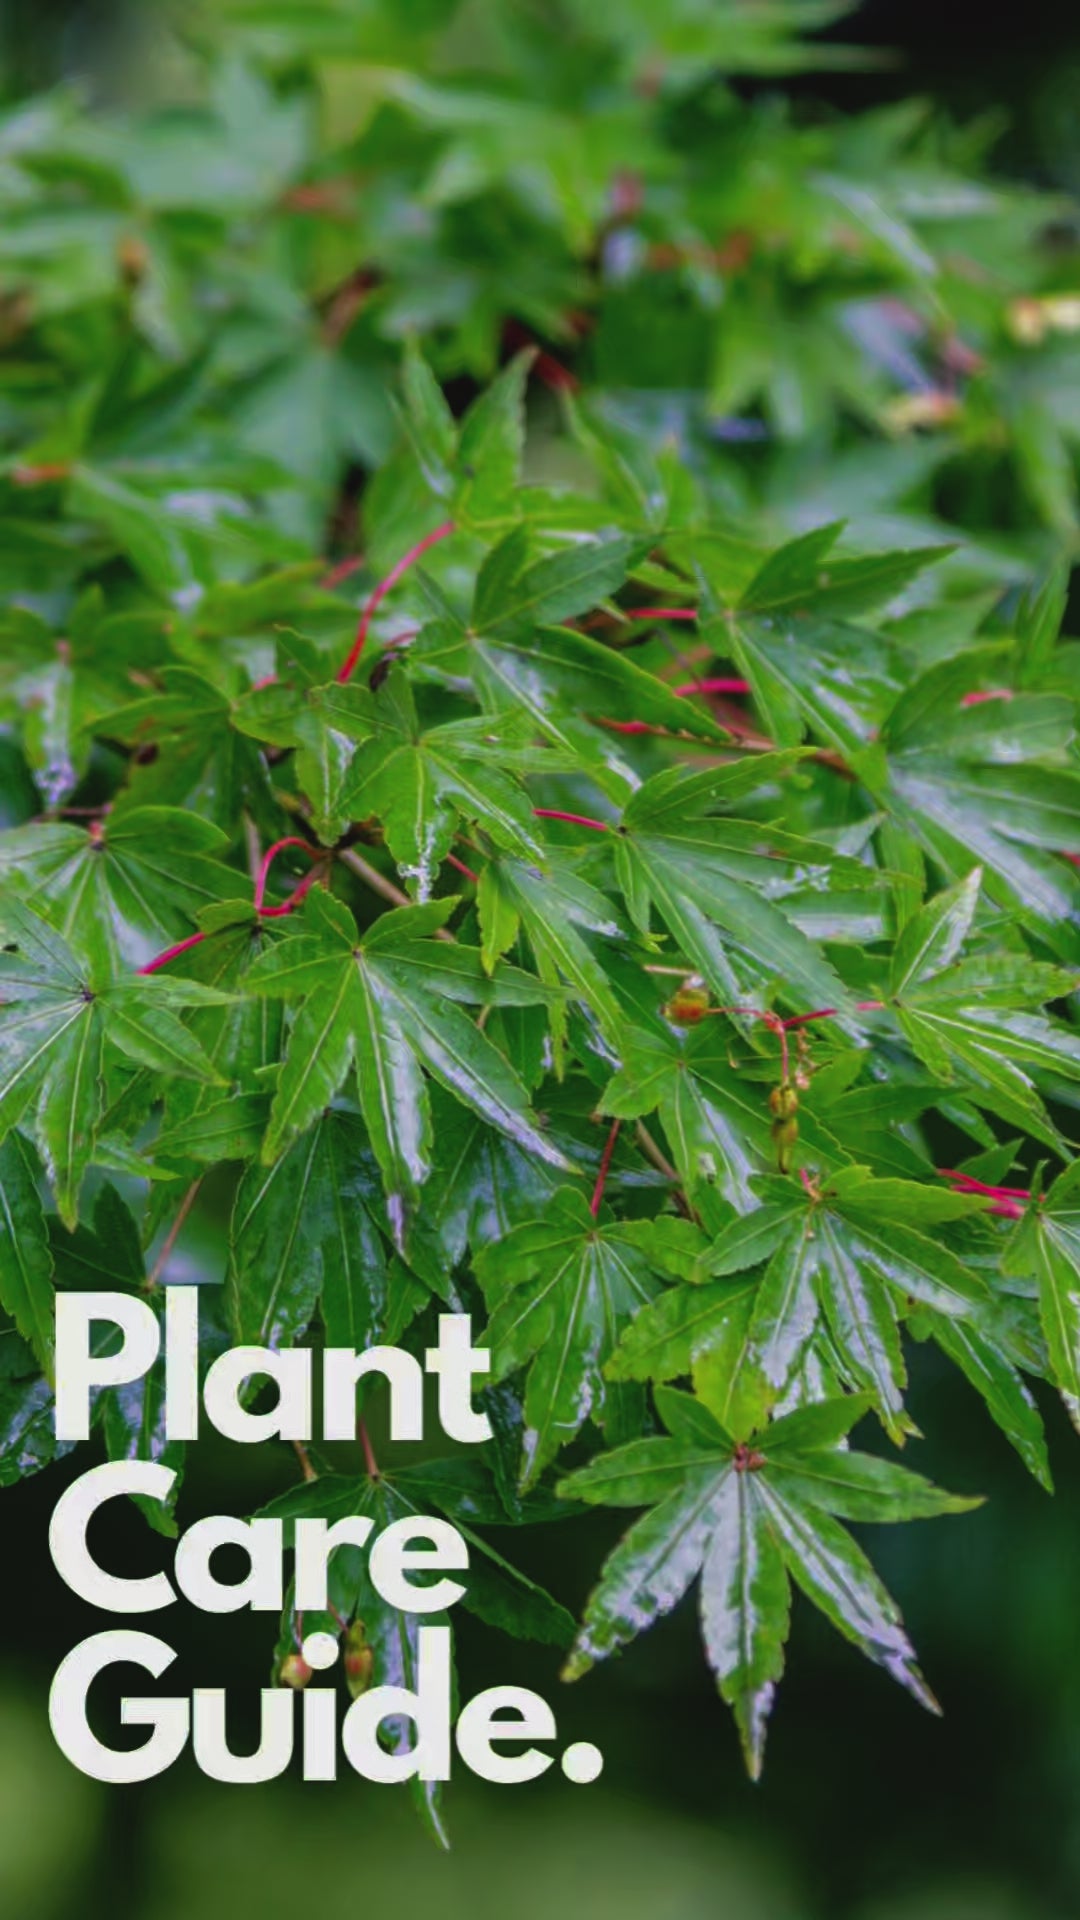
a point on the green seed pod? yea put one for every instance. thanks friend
(785, 1133)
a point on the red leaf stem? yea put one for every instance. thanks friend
(348, 666)
(605, 1163)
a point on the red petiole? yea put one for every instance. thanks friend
(292, 840)
(348, 666)
(574, 819)
(1008, 1202)
(318, 856)
(605, 1164)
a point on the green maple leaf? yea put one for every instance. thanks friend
(563, 682)
(808, 667)
(971, 1020)
(322, 724)
(133, 885)
(841, 1269)
(70, 1020)
(560, 1289)
(745, 1523)
(560, 914)
(386, 1003)
(424, 784)
(719, 884)
(989, 783)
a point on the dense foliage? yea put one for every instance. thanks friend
(629, 904)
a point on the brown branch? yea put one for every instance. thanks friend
(660, 1161)
(172, 1236)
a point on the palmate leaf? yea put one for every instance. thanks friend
(423, 785)
(809, 669)
(303, 1237)
(716, 881)
(842, 1267)
(68, 1022)
(386, 1004)
(745, 1522)
(558, 910)
(970, 1019)
(322, 724)
(564, 682)
(988, 783)
(560, 1288)
(135, 884)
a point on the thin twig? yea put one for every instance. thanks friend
(372, 878)
(252, 848)
(304, 1458)
(380, 884)
(655, 1153)
(172, 1236)
(660, 1161)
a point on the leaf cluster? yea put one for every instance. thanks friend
(637, 903)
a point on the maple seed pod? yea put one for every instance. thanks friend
(785, 1133)
(784, 1101)
(294, 1671)
(359, 1659)
(687, 1006)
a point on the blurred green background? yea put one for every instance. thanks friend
(868, 1810)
